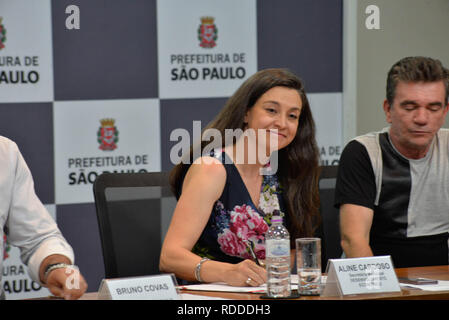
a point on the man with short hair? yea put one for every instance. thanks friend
(29, 226)
(393, 185)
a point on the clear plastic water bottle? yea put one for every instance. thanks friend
(277, 243)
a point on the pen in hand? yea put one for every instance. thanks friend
(250, 246)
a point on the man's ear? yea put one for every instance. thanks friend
(387, 110)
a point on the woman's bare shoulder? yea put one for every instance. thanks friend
(206, 174)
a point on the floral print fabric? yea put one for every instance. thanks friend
(235, 219)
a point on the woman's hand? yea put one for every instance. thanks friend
(245, 273)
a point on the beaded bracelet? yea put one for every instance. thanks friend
(54, 266)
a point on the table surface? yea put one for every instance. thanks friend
(434, 272)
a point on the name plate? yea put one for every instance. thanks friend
(360, 276)
(159, 287)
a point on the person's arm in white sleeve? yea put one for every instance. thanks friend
(31, 228)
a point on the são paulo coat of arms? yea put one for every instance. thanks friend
(2, 34)
(107, 135)
(207, 32)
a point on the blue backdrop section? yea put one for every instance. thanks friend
(112, 56)
(304, 36)
(203, 110)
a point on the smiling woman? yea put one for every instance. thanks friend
(226, 200)
(276, 111)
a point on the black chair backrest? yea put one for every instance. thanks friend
(133, 212)
(331, 248)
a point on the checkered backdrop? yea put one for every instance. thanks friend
(106, 96)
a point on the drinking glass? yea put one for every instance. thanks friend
(308, 262)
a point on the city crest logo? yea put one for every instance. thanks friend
(2, 34)
(207, 32)
(107, 135)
